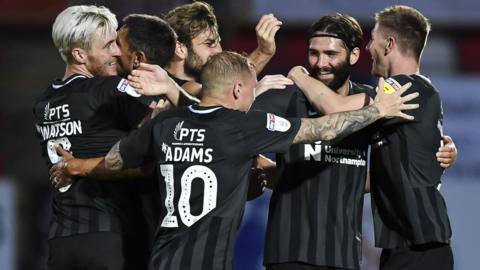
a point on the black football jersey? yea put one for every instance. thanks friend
(204, 155)
(87, 116)
(315, 210)
(407, 205)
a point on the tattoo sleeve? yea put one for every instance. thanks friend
(336, 125)
(113, 160)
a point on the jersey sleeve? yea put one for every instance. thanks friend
(422, 100)
(115, 92)
(275, 101)
(268, 133)
(137, 148)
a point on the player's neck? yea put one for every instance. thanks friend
(345, 88)
(76, 69)
(404, 65)
(209, 101)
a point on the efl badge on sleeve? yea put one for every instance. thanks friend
(276, 123)
(390, 86)
(124, 87)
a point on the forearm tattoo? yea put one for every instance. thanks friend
(336, 125)
(113, 160)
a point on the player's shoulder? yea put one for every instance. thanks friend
(280, 93)
(419, 83)
(178, 112)
(357, 88)
(58, 86)
(106, 82)
(81, 83)
(277, 100)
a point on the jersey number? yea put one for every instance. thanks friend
(201, 172)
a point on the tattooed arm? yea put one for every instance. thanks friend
(338, 125)
(110, 167)
(333, 126)
(113, 160)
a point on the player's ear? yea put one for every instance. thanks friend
(181, 50)
(390, 44)
(237, 89)
(354, 56)
(139, 57)
(79, 55)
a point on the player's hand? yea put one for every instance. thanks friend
(156, 107)
(266, 29)
(447, 153)
(268, 82)
(257, 183)
(62, 172)
(150, 80)
(162, 105)
(297, 72)
(391, 105)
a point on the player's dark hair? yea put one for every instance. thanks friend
(153, 36)
(339, 26)
(190, 20)
(407, 25)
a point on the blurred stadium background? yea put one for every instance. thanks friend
(29, 62)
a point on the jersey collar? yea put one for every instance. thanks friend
(58, 83)
(203, 110)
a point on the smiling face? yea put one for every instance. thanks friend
(328, 61)
(101, 57)
(377, 48)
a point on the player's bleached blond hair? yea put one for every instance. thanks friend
(221, 69)
(76, 25)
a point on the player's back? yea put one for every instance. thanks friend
(204, 163)
(405, 175)
(86, 116)
(203, 157)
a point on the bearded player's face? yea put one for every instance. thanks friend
(328, 61)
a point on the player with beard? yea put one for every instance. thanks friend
(197, 149)
(198, 39)
(315, 210)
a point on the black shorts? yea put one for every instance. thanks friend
(96, 250)
(299, 266)
(421, 257)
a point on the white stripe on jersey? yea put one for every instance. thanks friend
(56, 86)
(203, 111)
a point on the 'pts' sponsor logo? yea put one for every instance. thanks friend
(190, 134)
(56, 113)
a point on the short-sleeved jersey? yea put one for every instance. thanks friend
(204, 156)
(407, 206)
(87, 116)
(316, 208)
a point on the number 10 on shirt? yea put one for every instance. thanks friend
(194, 172)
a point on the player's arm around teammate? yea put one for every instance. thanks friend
(328, 127)
(327, 101)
